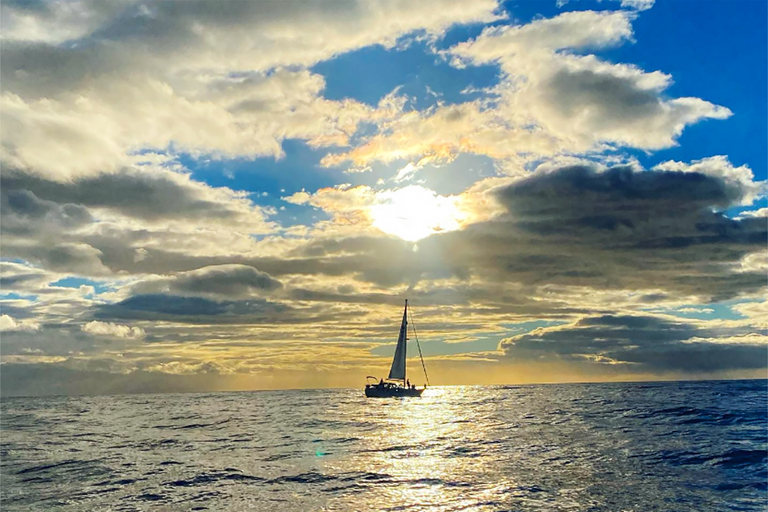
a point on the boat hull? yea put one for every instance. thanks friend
(391, 392)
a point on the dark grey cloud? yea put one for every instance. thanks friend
(35, 70)
(39, 7)
(16, 277)
(641, 344)
(57, 339)
(615, 229)
(619, 228)
(164, 306)
(98, 376)
(69, 258)
(227, 281)
(23, 213)
(198, 310)
(172, 23)
(611, 100)
(582, 197)
(135, 193)
(586, 99)
(42, 221)
(385, 261)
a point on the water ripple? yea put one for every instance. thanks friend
(597, 447)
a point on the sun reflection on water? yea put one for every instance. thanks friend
(553, 448)
(413, 441)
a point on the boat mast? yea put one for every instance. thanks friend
(405, 347)
(418, 345)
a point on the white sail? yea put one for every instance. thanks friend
(397, 372)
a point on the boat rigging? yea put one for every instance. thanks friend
(396, 384)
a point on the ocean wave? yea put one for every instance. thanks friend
(212, 477)
(667, 446)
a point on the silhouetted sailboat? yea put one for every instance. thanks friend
(397, 384)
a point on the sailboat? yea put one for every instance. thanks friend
(396, 385)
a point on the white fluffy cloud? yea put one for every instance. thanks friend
(78, 101)
(581, 100)
(78, 135)
(10, 324)
(549, 101)
(112, 330)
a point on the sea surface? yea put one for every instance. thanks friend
(677, 446)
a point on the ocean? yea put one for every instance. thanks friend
(672, 446)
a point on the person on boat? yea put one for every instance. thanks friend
(408, 383)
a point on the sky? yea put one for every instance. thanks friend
(202, 195)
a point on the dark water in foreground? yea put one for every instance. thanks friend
(598, 447)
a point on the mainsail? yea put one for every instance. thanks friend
(397, 372)
(387, 388)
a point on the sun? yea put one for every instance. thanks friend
(415, 212)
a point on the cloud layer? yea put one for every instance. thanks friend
(642, 343)
(550, 100)
(188, 202)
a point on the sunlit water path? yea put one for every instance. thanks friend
(598, 447)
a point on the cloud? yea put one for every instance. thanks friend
(197, 310)
(38, 297)
(202, 311)
(756, 312)
(225, 281)
(86, 225)
(582, 101)
(591, 193)
(10, 324)
(617, 228)
(112, 330)
(760, 212)
(640, 5)
(549, 100)
(642, 344)
(70, 378)
(739, 182)
(580, 29)
(23, 213)
(148, 193)
(20, 278)
(55, 22)
(129, 269)
(77, 101)
(75, 258)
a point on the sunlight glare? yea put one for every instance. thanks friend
(415, 212)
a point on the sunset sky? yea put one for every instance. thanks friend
(207, 195)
